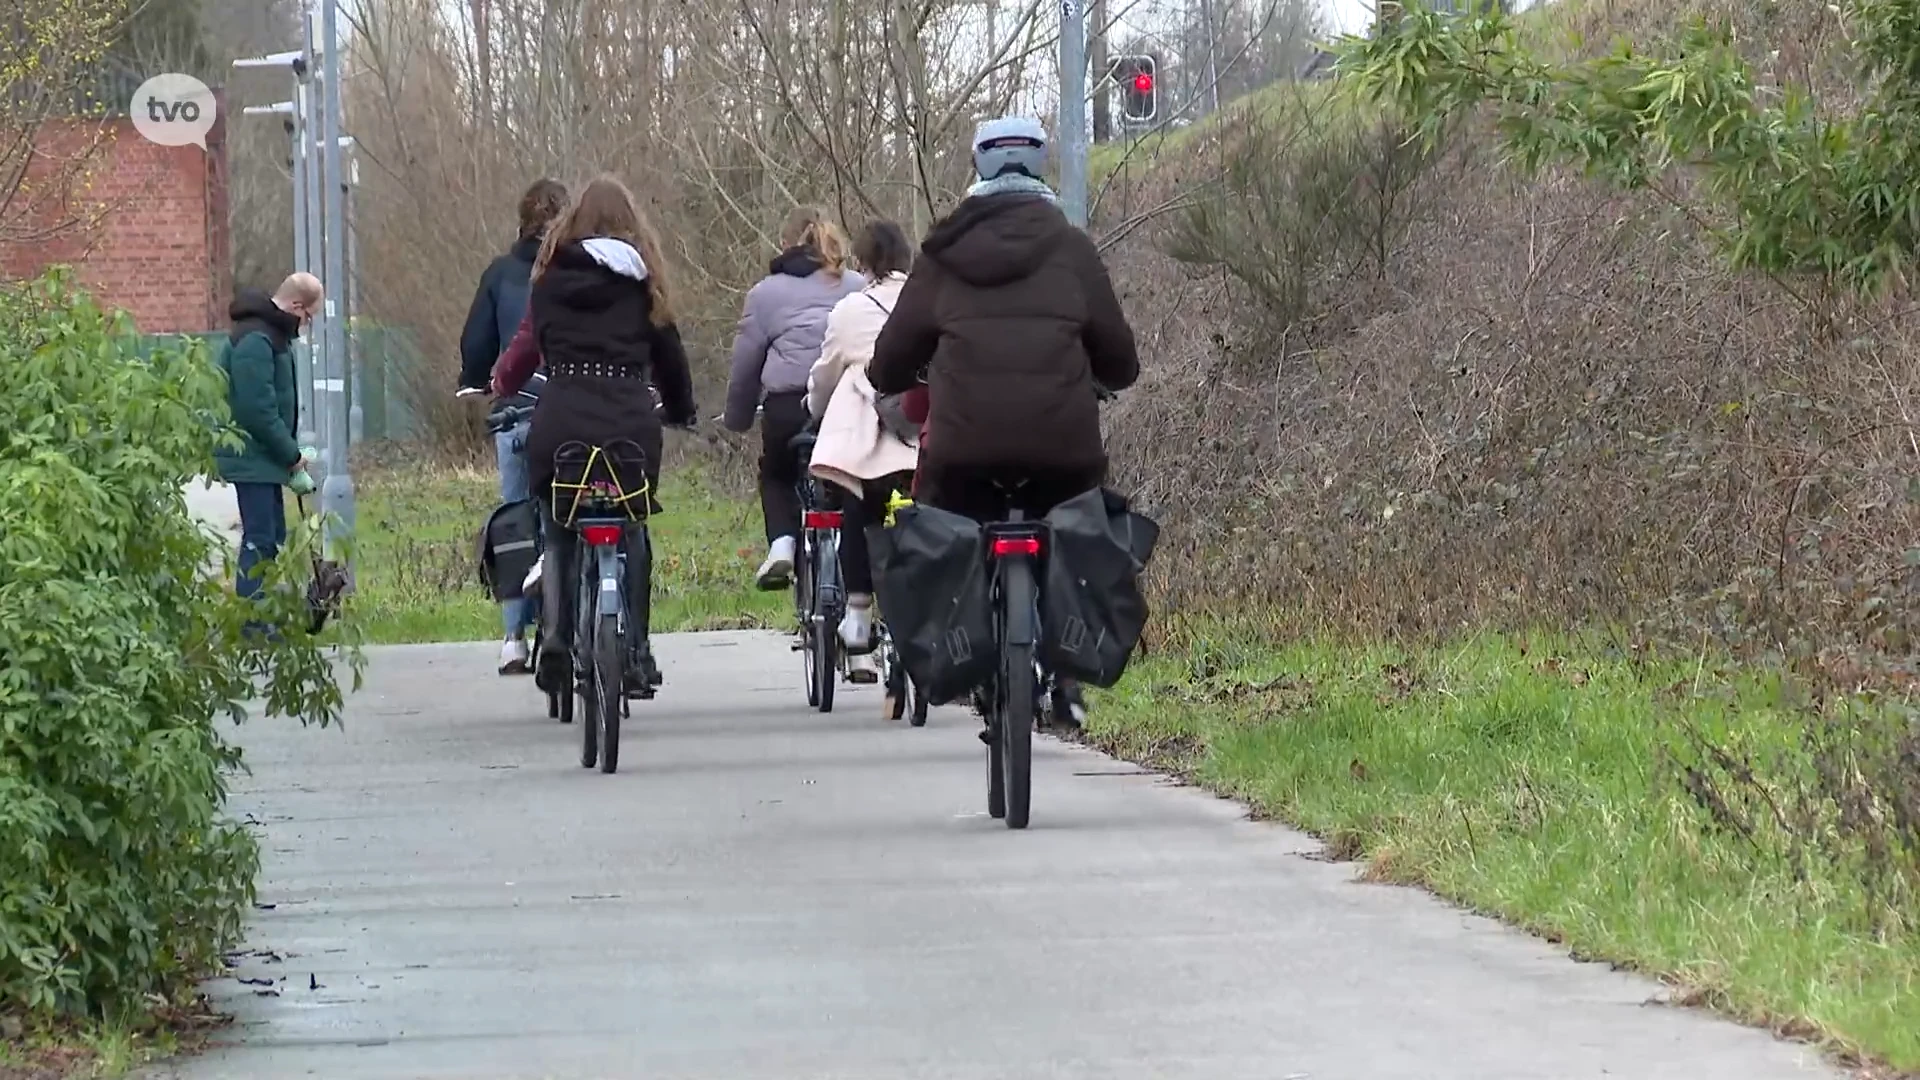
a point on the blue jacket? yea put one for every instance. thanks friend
(497, 307)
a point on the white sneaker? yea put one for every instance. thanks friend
(856, 630)
(531, 583)
(777, 572)
(513, 657)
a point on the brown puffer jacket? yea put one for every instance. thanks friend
(1010, 314)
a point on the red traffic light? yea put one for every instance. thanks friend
(1143, 82)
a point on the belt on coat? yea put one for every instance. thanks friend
(598, 370)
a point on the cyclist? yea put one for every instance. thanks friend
(1012, 321)
(856, 450)
(498, 306)
(781, 329)
(603, 322)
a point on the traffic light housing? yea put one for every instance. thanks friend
(1138, 77)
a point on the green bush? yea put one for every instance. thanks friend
(120, 650)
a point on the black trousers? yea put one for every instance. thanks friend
(560, 585)
(856, 562)
(988, 494)
(784, 417)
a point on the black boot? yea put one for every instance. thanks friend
(643, 673)
(553, 668)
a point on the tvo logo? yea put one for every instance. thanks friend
(173, 110)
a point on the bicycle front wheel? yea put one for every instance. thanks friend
(609, 688)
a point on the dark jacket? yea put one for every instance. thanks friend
(497, 307)
(586, 313)
(1011, 317)
(258, 361)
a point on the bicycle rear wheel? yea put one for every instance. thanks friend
(805, 603)
(583, 648)
(1016, 733)
(1017, 692)
(609, 668)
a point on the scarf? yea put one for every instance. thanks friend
(1013, 184)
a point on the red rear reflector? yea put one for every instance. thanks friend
(823, 519)
(601, 535)
(1006, 546)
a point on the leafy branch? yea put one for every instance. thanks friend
(1794, 192)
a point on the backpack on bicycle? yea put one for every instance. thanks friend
(930, 575)
(507, 546)
(1092, 610)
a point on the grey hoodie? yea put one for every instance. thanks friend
(781, 331)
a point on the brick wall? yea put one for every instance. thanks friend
(154, 238)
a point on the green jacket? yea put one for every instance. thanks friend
(258, 361)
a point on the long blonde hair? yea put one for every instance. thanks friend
(810, 227)
(606, 208)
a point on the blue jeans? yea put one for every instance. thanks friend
(510, 450)
(263, 529)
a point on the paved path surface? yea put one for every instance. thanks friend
(763, 892)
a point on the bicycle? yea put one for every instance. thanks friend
(1015, 548)
(591, 500)
(819, 599)
(507, 415)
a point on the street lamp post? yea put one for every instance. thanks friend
(336, 491)
(305, 211)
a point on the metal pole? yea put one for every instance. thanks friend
(1073, 112)
(336, 491)
(302, 253)
(356, 416)
(316, 242)
(1213, 60)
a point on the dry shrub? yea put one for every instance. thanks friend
(1548, 404)
(1552, 406)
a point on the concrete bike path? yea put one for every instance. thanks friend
(766, 892)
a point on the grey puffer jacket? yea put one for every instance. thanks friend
(781, 331)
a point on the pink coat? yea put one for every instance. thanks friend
(852, 446)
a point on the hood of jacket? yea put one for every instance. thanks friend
(253, 310)
(795, 262)
(593, 278)
(992, 240)
(525, 250)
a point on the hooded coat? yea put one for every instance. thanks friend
(782, 327)
(258, 361)
(1012, 320)
(592, 306)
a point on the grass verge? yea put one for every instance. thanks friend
(416, 576)
(97, 1050)
(1536, 786)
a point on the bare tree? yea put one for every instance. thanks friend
(55, 82)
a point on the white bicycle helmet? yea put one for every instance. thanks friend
(1009, 144)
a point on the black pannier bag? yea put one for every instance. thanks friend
(508, 545)
(931, 578)
(1092, 611)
